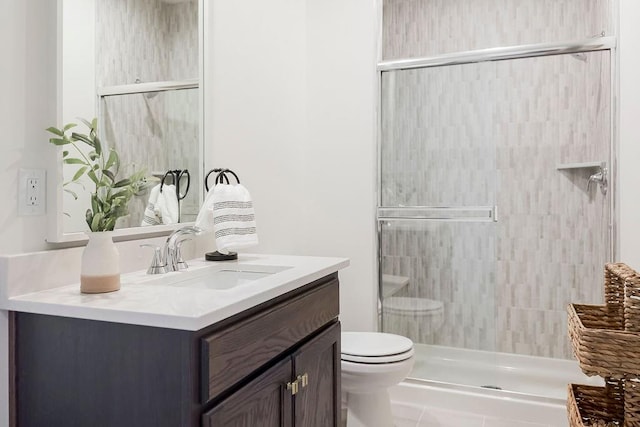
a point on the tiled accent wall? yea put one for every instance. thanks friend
(494, 133)
(151, 40)
(418, 28)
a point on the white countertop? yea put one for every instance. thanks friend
(180, 300)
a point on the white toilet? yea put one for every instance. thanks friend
(419, 319)
(371, 363)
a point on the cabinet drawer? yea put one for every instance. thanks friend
(233, 353)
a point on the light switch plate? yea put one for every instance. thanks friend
(32, 184)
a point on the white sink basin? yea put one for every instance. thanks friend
(228, 278)
(224, 276)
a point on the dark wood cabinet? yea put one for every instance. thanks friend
(262, 402)
(75, 372)
(318, 363)
(302, 389)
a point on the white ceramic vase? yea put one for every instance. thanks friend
(100, 269)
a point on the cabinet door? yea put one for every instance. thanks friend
(262, 402)
(317, 367)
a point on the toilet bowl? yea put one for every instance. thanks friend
(419, 319)
(372, 362)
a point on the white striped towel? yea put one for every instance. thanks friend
(228, 211)
(150, 216)
(168, 208)
(162, 208)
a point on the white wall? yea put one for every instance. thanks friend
(292, 113)
(255, 116)
(27, 107)
(340, 148)
(629, 154)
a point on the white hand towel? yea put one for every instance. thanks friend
(167, 206)
(229, 209)
(150, 215)
(204, 220)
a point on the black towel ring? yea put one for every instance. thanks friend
(176, 178)
(206, 178)
(180, 174)
(221, 177)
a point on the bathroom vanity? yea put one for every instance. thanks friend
(269, 353)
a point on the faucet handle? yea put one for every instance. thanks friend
(172, 255)
(158, 266)
(180, 263)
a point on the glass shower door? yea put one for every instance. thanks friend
(438, 208)
(488, 226)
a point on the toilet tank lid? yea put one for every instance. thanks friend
(373, 344)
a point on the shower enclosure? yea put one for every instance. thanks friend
(495, 206)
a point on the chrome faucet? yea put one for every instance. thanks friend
(169, 258)
(172, 247)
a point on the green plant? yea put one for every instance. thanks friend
(111, 196)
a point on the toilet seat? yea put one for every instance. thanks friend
(377, 360)
(375, 347)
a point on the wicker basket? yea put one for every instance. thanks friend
(600, 348)
(595, 406)
(604, 338)
(606, 342)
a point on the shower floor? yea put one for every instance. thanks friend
(533, 376)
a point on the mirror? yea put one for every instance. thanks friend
(135, 65)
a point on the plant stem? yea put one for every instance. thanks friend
(81, 153)
(89, 163)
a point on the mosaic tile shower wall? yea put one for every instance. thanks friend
(418, 28)
(147, 41)
(494, 133)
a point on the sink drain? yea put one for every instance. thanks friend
(493, 387)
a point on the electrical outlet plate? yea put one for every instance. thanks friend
(32, 184)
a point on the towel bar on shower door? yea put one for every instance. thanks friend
(439, 213)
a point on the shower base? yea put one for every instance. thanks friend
(451, 387)
(501, 373)
(428, 404)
